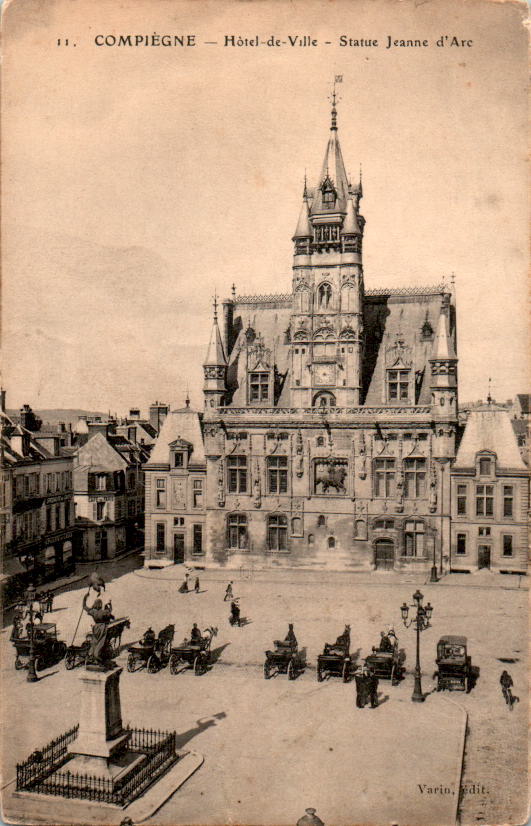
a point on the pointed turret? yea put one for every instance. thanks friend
(215, 366)
(351, 224)
(443, 385)
(304, 229)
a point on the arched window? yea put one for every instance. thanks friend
(277, 532)
(237, 536)
(323, 401)
(310, 539)
(325, 295)
(296, 526)
(331, 542)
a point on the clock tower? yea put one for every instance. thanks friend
(326, 329)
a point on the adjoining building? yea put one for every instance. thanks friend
(37, 519)
(490, 496)
(109, 491)
(330, 415)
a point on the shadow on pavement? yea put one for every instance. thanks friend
(216, 653)
(199, 728)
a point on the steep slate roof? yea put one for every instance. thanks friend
(216, 352)
(98, 452)
(184, 424)
(489, 428)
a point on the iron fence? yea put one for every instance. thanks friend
(43, 774)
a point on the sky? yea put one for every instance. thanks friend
(139, 181)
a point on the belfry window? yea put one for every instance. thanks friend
(259, 387)
(397, 385)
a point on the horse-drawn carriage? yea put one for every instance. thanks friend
(193, 653)
(335, 659)
(47, 648)
(151, 651)
(454, 666)
(78, 654)
(284, 659)
(385, 662)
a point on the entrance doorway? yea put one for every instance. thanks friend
(384, 554)
(484, 556)
(178, 547)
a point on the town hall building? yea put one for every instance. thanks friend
(330, 415)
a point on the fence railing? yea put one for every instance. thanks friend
(44, 761)
(43, 774)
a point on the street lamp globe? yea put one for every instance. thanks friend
(405, 611)
(428, 609)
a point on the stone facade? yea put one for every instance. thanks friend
(330, 417)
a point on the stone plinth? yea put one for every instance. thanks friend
(101, 733)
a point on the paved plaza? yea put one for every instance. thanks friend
(274, 747)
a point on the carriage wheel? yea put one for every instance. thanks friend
(131, 662)
(346, 671)
(292, 672)
(39, 663)
(18, 663)
(61, 650)
(199, 665)
(174, 664)
(152, 665)
(70, 660)
(320, 673)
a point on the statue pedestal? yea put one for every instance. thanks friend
(101, 744)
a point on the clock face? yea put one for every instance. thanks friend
(325, 374)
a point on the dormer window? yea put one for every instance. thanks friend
(178, 459)
(398, 385)
(259, 387)
(329, 197)
(484, 467)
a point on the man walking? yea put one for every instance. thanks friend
(228, 592)
(506, 682)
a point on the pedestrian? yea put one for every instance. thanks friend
(43, 601)
(49, 601)
(310, 819)
(196, 585)
(506, 682)
(228, 592)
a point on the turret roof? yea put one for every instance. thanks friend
(215, 353)
(443, 348)
(303, 226)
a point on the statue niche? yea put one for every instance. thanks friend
(330, 475)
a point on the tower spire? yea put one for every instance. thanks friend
(215, 305)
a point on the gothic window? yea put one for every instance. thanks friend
(324, 295)
(384, 478)
(277, 474)
(323, 401)
(237, 531)
(329, 197)
(397, 385)
(484, 500)
(414, 537)
(277, 532)
(237, 474)
(259, 387)
(414, 478)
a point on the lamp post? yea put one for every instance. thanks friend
(30, 598)
(421, 622)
